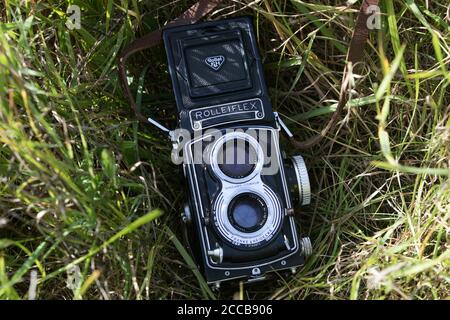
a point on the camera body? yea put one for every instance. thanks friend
(240, 212)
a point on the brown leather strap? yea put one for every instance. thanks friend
(192, 15)
(203, 7)
(355, 54)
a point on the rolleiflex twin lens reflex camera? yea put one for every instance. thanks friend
(239, 216)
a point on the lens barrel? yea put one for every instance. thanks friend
(236, 157)
(247, 212)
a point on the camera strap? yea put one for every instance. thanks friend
(200, 9)
(355, 54)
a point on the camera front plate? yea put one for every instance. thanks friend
(273, 247)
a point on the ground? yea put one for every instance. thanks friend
(90, 202)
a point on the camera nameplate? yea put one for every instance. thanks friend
(244, 110)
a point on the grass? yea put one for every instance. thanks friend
(89, 201)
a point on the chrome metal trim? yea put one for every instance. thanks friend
(231, 136)
(233, 235)
(197, 125)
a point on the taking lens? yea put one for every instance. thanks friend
(237, 158)
(247, 212)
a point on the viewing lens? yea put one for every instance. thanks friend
(237, 158)
(247, 212)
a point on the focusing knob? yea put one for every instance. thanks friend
(304, 188)
(306, 246)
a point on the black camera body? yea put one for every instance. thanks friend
(242, 191)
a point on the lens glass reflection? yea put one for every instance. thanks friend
(247, 212)
(237, 158)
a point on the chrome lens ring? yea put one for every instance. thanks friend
(215, 165)
(248, 239)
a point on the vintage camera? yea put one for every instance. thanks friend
(242, 191)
